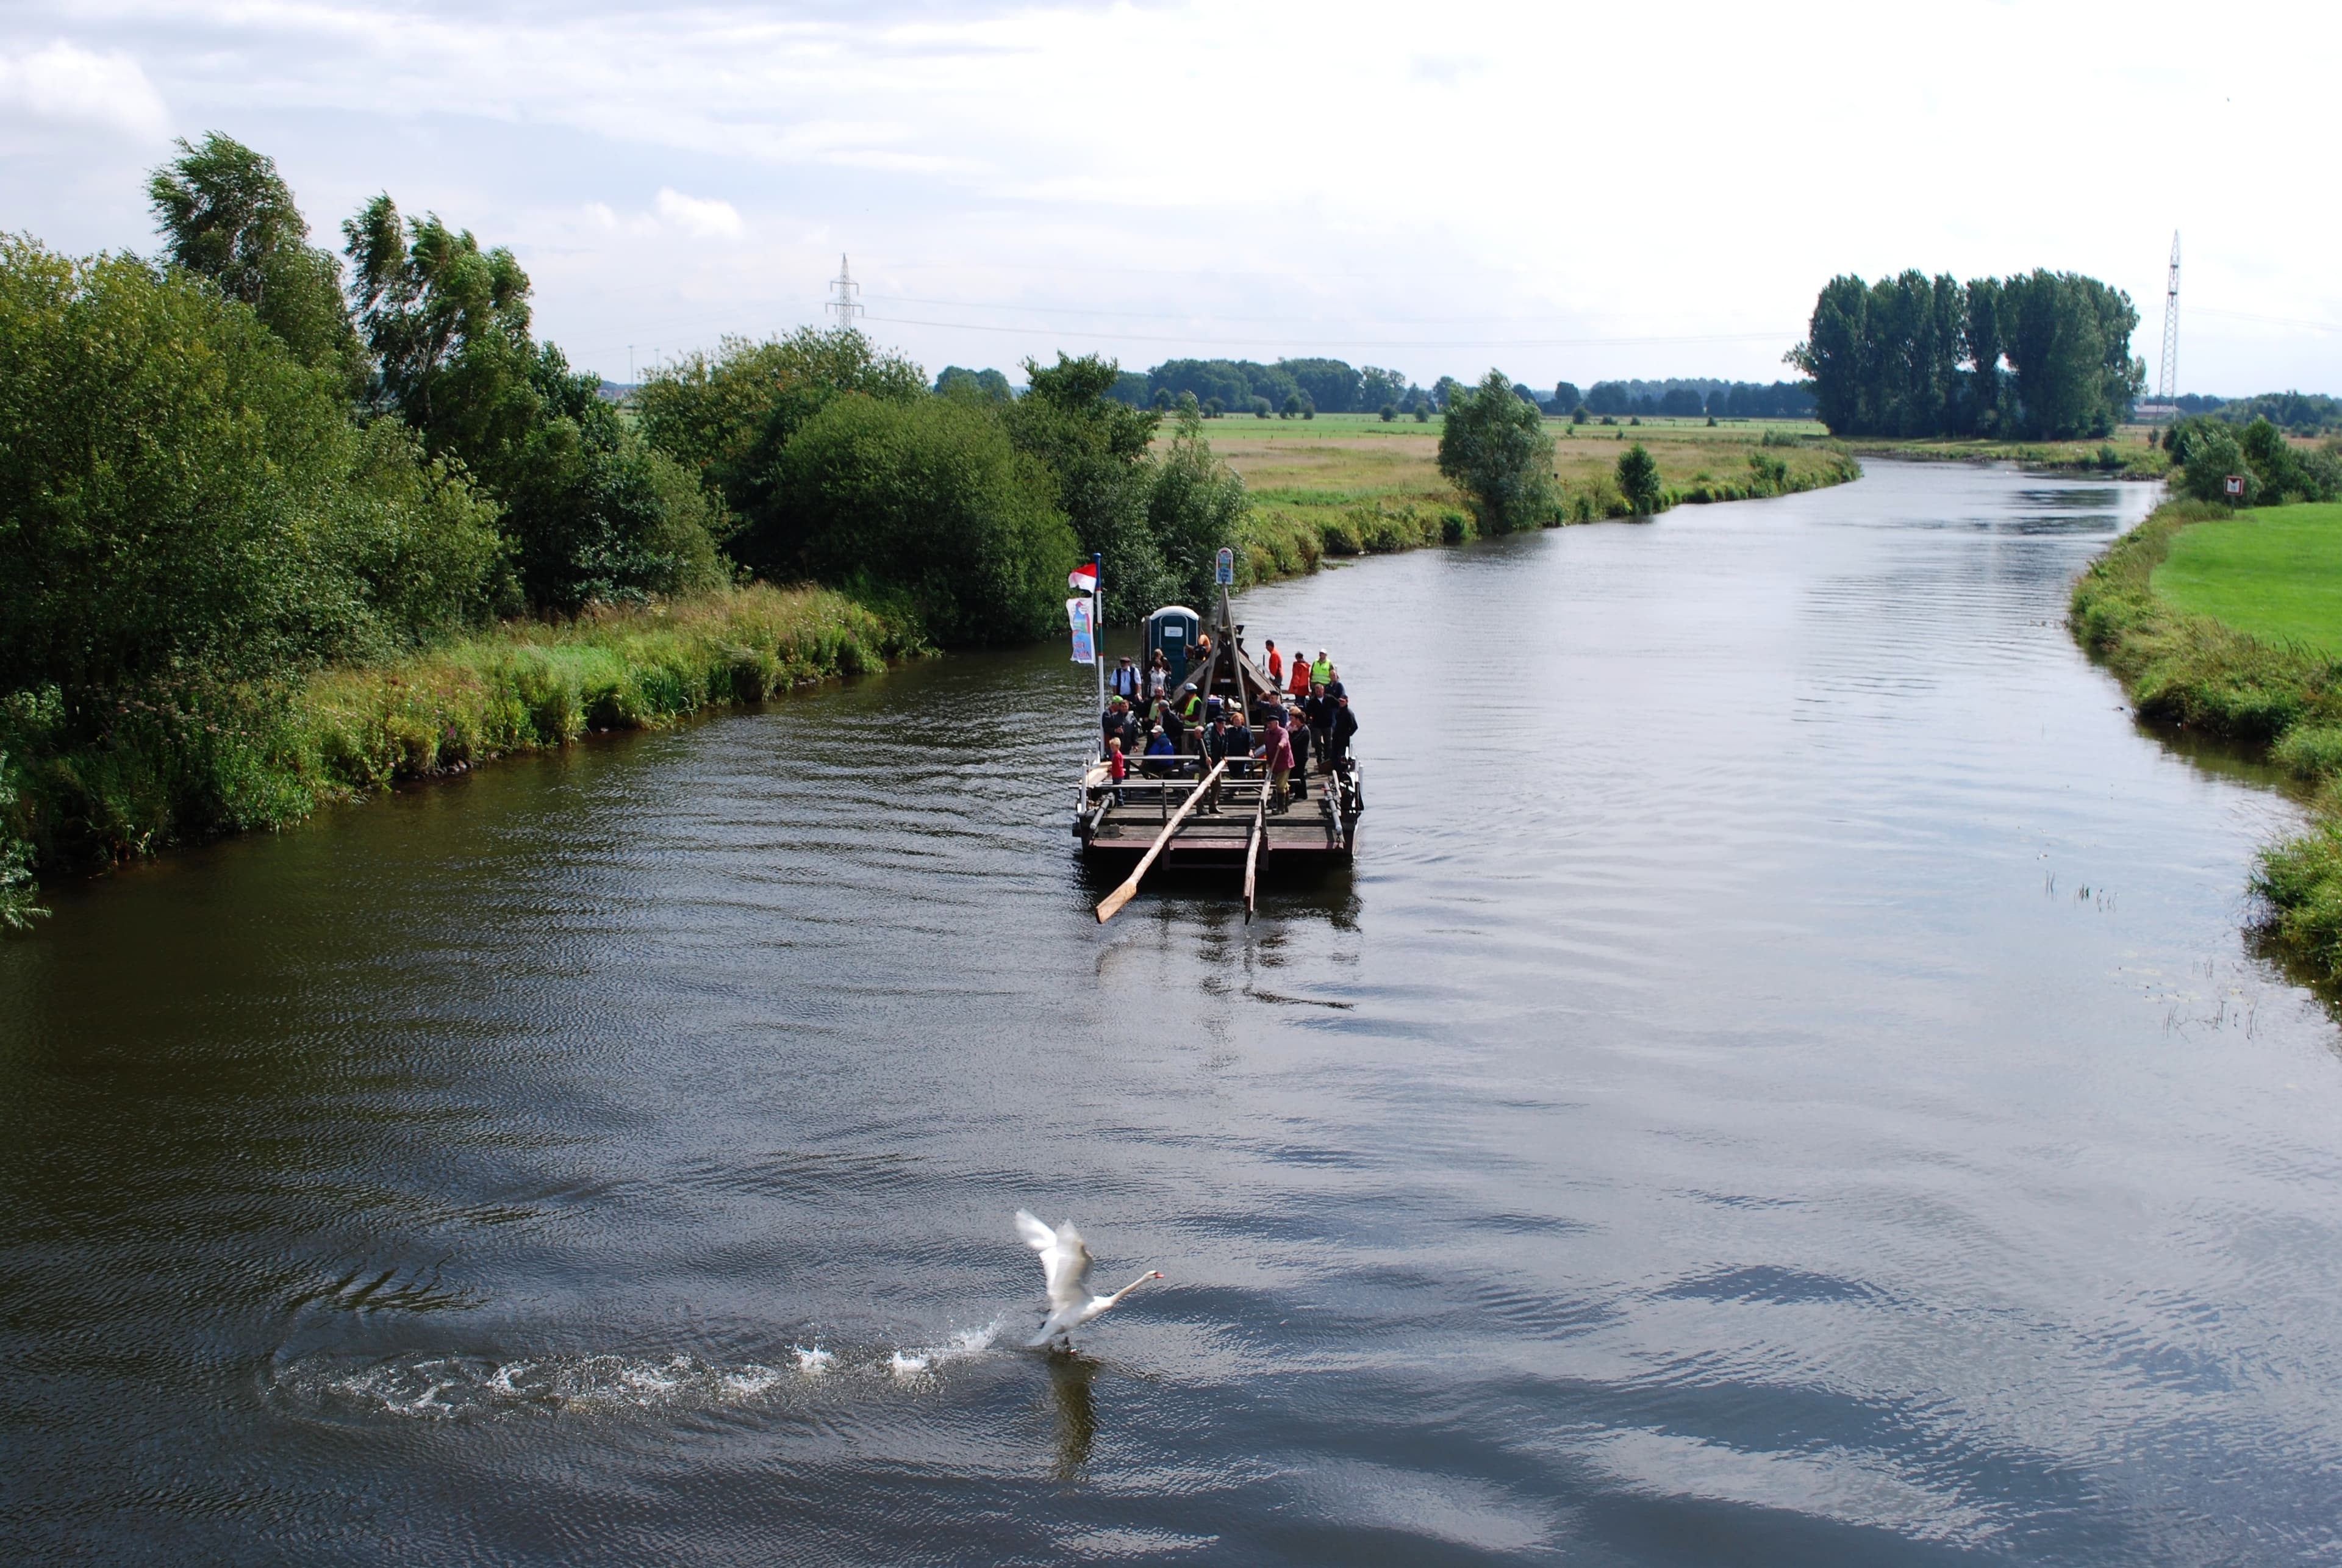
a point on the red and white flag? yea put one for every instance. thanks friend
(1083, 579)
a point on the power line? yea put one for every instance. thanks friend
(2270, 320)
(1345, 342)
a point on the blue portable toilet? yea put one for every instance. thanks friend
(1172, 629)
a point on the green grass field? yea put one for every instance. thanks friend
(2274, 573)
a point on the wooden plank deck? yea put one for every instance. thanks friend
(1308, 826)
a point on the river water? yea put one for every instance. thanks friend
(1783, 1084)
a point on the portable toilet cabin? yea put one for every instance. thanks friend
(1171, 630)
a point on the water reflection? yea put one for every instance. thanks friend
(1073, 1411)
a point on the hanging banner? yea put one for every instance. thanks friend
(1077, 611)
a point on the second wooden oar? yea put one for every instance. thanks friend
(1252, 848)
(1114, 900)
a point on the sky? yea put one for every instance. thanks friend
(1562, 190)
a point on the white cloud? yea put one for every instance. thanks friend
(699, 216)
(68, 86)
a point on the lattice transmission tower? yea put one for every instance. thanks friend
(2167, 386)
(843, 307)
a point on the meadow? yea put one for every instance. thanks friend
(2275, 573)
(1349, 484)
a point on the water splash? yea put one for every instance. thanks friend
(449, 1387)
(966, 1343)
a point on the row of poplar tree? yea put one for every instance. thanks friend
(2042, 355)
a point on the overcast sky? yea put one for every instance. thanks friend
(1440, 185)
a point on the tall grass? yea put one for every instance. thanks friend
(197, 763)
(2196, 673)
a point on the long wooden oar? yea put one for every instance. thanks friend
(1113, 902)
(1252, 847)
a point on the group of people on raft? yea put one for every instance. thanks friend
(1172, 731)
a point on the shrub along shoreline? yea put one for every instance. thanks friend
(202, 764)
(2195, 672)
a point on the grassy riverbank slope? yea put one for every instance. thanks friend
(1350, 484)
(232, 759)
(2202, 615)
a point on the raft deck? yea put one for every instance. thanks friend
(1219, 831)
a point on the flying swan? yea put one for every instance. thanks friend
(1066, 1264)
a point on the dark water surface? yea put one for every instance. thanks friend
(1783, 1084)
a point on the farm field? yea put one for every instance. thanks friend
(1344, 485)
(2274, 573)
(1341, 459)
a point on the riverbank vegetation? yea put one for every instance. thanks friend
(2223, 623)
(1920, 356)
(274, 527)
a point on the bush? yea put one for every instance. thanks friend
(1422, 413)
(1638, 480)
(16, 907)
(179, 493)
(2313, 751)
(1389, 414)
(927, 506)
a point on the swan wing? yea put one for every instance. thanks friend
(1064, 1260)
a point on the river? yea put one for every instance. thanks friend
(1783, 1084)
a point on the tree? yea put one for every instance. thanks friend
(593, 513)
(1389, 413)
(1578, 416)
(726, 417)
(1192, 510)
(448, 325)
(2068, 338)
(1495, 449)
(1638, 480)
(226, 214)
(1565, 396)
(1377, 386)
(1680, 403)
(1163, 399)
(1291, 406)
(927, 504)
(984, 385)
(1096, 449)
(1327, 383)
(1423, 413)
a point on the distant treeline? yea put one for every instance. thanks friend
(1915, 355)
(1307, 387)
(2302, 412)
(1690, 398)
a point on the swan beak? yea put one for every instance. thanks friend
(1158, 1274)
